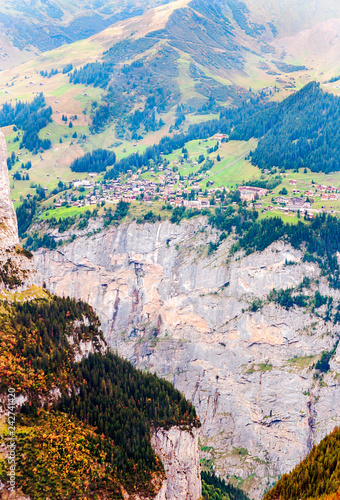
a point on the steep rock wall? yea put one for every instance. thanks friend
(179, 453)
(16, 270)
(170, 307)
(178, 450)
(8, 222)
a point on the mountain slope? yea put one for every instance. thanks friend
(314, 477)
(55, 374)
(196, 57)
(42, 342)
(39, 25)
(299, 132)
(291, 18)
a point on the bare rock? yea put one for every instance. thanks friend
(8, 222)
(171, 308)
(178, 450)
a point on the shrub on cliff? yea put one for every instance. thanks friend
(215, 488)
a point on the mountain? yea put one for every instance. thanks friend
(143, 443)
(39, 25)
(317, 476)
(237, 323)
(151, 75)
(35, 26)
(232, 299)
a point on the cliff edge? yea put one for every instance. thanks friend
(178, 450)
(8, 221)
(16, 271)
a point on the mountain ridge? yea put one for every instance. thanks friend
(40, 25)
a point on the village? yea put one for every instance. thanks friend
(176, 183)
(168, 186)
(301, 201)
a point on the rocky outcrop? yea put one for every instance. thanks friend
(178, 450)
(8, 222)
(179, 453)
(16, 271)
(168, 306)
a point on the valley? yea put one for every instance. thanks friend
(201, 89)
(169, 248)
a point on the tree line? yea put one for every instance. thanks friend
(39, 347)
(97, 161)
(31, 118)
(300, 132)
(316, 476)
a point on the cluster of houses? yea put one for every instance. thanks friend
(250, 193)
(299, 202)
(164, 185)
(325, 192)
(168, 187)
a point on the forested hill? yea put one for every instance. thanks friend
(301, 131)
(96, 437)
(316, 476)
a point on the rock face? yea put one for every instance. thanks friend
(16, 272)
(179, 453)
(8, 222)
(168, 306)
(178, 450)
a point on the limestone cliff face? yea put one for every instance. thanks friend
(170, 307)
(16, 270)
(179, 453)
(8, 222)
(178, 450)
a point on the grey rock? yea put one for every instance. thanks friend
(171, 308)
(178, 450)
(8, 222)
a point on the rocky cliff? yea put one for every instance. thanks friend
(178, 450)
(16, 270)
(8, 222)
(171, 308)
(179, 453)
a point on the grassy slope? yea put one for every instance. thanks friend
(71, 100)
(14, 49)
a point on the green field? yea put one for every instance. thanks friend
(289, 219)
(63, 212)
(225, 173)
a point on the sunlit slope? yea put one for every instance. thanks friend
(316, 476)
(34, 26)
(305, 32)
(291, 17)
